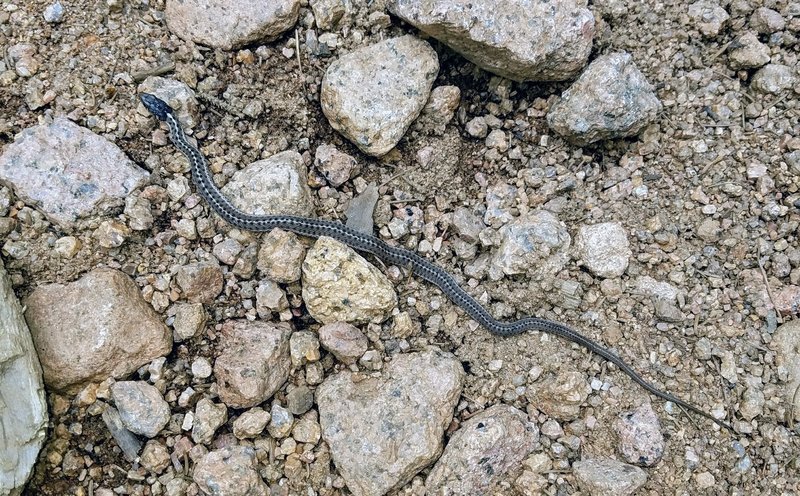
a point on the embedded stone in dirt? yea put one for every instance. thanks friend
(68, 172)
(373, 94)
(104, 313)
(383, 430)
(523, 41)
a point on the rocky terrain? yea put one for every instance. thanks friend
(630, 169)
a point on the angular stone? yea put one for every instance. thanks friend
(383, 430)
(611, 99)
(345, 341)
(482, 451)
(105, 313)
(373, 94)
(23, 410)
(254, 362)
(68, 172)
(231, 471)
(536, 243)
(519, 40)
(339, 285)
(200, 281)
(273, 186)
(141, 407)
(230, 24)
(640, 438)
(608, 477)
(604, 249)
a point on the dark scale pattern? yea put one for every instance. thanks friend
(392, 255)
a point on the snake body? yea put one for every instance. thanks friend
(359, 241)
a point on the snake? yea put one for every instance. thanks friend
(367, 243)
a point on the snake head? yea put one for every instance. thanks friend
(156, 106)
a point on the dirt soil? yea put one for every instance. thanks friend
(695, 155)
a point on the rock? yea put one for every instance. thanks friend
(273, 186)
(340, 285)
(477, 127)
(640, 438)
(362, 207)
(23, 416)
(22, 55)
(281, 422)
(608, 477)
(227, 250)
(54, 13)
(299, 400)
(523, 41)
(345, 341)
(536, 243)
(748, 53)
(200, 281)
(467, 225)
(128, 443)
(231, 471)
(439, 110)
(270, 298)
(155, 457)
(767, 21)
(666, 311)
(786, 344)
(336, 167)
(141, 407)
(190, 318)
(655, 289)
(561, 396)
(307, 430)
(753, 399)
(327, 13)
(103, 311)
(140, 218)
(303, 348)
(611, 99)
(773, 78)
(68, 172)
(383, 430)
(178, 95)
(373, 94)
(709, 17)
(230, 24)
(251, 423)
(111, 234)
(254, 362)
(201, 368)
(604, 249)
(208, 417)
(280, 256)
(482, 451)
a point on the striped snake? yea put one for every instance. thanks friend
(390, 254)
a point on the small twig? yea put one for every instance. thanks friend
(158, 71)
(720, 52)
(769, 288)
(710, 165)
(793, 408)
(299, 62)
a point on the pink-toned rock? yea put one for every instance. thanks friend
(94, 328)
(68, 172)
(254, 362)
(230, 24)
(345, 341)
(200, 282)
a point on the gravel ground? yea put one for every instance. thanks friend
(706, 195)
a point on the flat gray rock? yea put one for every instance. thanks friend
(373, 94)
(23, 408)
(273, 186)
(383, 430)
(523, 40)
(94, 328)
(604, 248)
(68, 172)
(230, 24)
(606, 477)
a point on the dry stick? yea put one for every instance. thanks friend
(793, 408)
(769, 289)
(158, 71)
